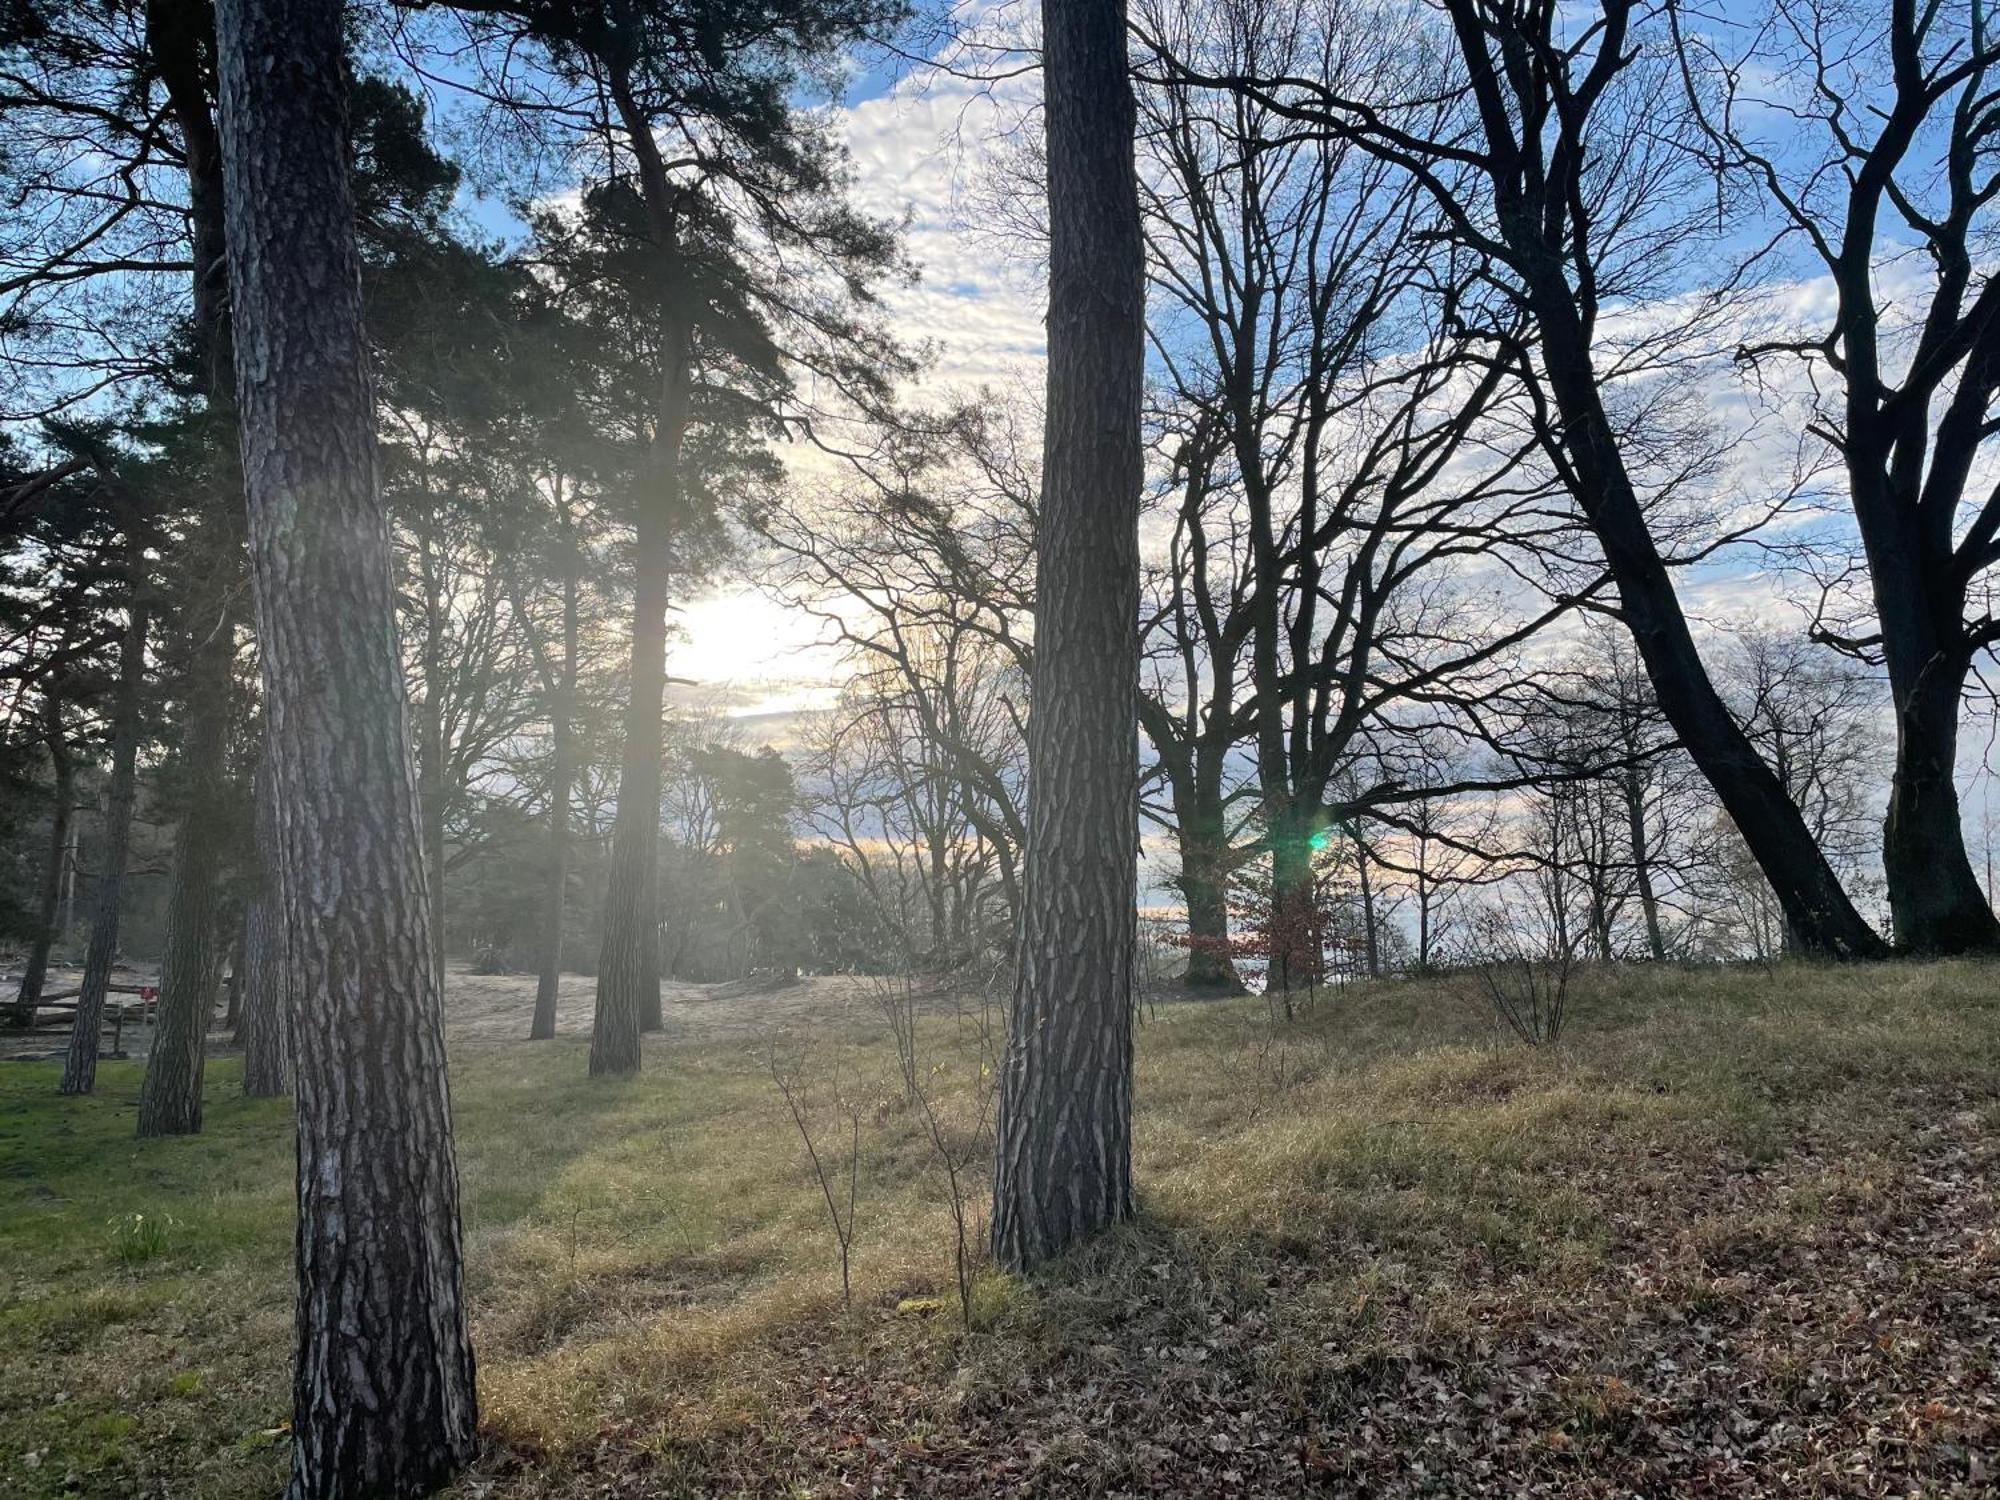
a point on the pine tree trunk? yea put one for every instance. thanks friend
(170, 1097)
(1063, 1165)
(562, 773)
(383, 1395)
(62, 767)
(628, 963)
(127, 726)
(267, 1008)
(179, 38)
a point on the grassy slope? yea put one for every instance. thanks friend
(1737, 1236)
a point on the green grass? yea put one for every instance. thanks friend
(1381, 1204)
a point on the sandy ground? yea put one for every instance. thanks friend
(484, 1010)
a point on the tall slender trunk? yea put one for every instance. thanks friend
(180, 40)
(66, 904)
(127, 726)
(628, 964)
(62, 769)
(1371, 935)
(170, 1096)
(430, 806)
(268, 999)
(383, 1393)
(1642, 863)
(1063, 1164)
(232, 985)
(429, 714)
(562, 773)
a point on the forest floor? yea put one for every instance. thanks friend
(1735, 1236)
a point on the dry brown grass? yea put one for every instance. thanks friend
(1735, 1236)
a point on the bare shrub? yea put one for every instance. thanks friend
(790, 1075)
(959, 1149)
(1527, 990)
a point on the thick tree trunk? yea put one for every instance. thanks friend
(127, 726)
(383, 1395)
(267, 1009)
(1756, 800)
(1063, 1167)
(628, 963)
(1934, 896)
(562, 773)
(1296, 941)
(1204, 883)
(170, 1097)
(62, 768)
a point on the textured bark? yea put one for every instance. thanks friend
(170, 1097)
(562, 773)
(628, 963)
(1297, 949)
(127, 726)
(267, 1007)
(1063, 1167)
(1204, 884)
(62, 768)
(1934, 897)
(383, 1396)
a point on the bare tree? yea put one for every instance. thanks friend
(1552, 151)
(1337, 439)
(921, 570)
(1865, 130)
(840, 1198)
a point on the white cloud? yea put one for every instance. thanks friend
(915, 150)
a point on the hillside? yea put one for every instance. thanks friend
(1736, 1235)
